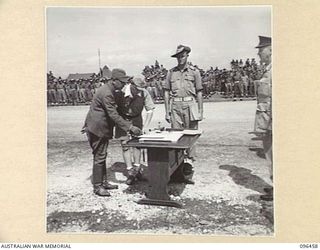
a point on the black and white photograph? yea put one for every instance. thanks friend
(159, 120)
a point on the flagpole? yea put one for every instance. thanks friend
(99, 61)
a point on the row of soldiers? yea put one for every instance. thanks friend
(155, 76)
(72, 91)
(239, 81)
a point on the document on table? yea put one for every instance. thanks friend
(161, 136)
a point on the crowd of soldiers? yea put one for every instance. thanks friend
(239, 81)
(72, 91)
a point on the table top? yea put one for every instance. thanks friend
(186, 141)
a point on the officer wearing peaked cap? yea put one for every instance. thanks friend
(263, 120)
(99, 124)
(183, 94)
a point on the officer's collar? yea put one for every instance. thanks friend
(186, 68)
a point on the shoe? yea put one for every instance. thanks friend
(266, 197)
(139, 176)
(100, 190)
(109, 186)
(187, 169)
(188, 181)
(131, 179)
(189, 160)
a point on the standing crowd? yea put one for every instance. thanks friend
(72, 91)
(239, 81)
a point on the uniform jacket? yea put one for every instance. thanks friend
(103, 114)
(183, 83)
(263, 121)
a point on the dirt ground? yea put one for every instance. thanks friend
(230, 174)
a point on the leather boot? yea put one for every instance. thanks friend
(98, 189)
(109, 186)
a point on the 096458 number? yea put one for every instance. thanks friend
(306, 245)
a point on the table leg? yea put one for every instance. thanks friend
(159, 176)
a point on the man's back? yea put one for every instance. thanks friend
(98, 121)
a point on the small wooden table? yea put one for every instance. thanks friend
(164, 158)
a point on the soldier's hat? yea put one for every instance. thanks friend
(120, 74)
(138, 82)
(180, 49)
(263, 42)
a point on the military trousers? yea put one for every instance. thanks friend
(267, 148)
(52, 95)
(185, 115)
(73, 95)
(62, 97)
(99, 148)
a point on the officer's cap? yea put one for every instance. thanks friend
(263, 42)
(180, 49)
(120, 74)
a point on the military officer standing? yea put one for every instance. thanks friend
(73, 91)
(99, 124)
(183, 94)
(53, 91)
(263, 121)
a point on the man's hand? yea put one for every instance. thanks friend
(135, 130)
(168, 117)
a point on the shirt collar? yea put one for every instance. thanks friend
(186, 68)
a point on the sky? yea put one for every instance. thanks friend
(130, 38)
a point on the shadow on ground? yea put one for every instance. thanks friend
(174, 187)
(259, 151)
(243, 177)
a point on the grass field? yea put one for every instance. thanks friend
(230, 174)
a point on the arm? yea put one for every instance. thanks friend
(199, 94)
(167, 97)
(109, 105)
(149, 116)
(166, 105)
(149, 106)
(200, 104)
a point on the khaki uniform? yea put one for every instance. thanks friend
(52, 92)
(183, 86)
(73, 92)
(61, 94)
(263, 121)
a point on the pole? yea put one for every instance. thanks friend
(99, 61)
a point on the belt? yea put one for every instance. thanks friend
(183, 99)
